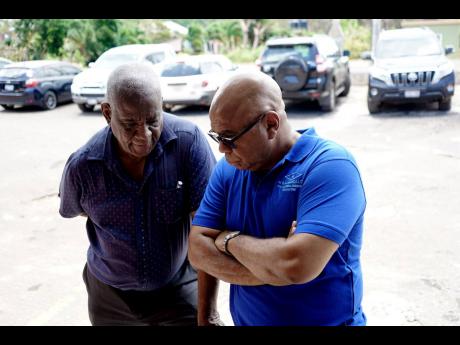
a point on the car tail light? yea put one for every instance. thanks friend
(204, 83)
(31, 82)
(320, 63)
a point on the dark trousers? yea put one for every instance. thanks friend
(108, 306)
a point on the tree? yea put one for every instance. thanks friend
(215, 36)
(195, 36)
(232, 33)
(258, 29)
(42, 36)
(245, 25)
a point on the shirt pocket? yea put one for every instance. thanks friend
(168, 205)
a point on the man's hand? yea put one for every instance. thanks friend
(211, 320)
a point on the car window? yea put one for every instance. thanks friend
(210, 67)
(113, 60)
(69, 70)
(15, 72)
(49, 72)
(276, 53)
(400, 47)
(180, 69)
(156, 57)
(328, 47)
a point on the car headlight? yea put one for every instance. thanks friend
(443, 70)
(380, 74)
(75, 88)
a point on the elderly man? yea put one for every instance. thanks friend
(138, 181)
(282, 216)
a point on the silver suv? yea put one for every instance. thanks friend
(410, 66)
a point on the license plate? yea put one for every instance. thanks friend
(412, 93)
(92, 101)
(9, 87)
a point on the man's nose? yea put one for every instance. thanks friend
(143, 132)
(224, 148)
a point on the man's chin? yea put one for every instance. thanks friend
(140, 151)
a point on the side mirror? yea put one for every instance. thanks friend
(346, 53)
(449, 49)
(91, 64)
(366, 55)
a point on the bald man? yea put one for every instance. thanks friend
(138, 181)
(281, 218)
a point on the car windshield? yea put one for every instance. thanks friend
(15, 72)
(180, 69)
(115, 60)
(417, 46)
(275, 53)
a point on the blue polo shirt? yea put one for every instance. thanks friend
(138, 231)
(318, 184)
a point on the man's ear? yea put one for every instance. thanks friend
(107, 112)
(273, 124)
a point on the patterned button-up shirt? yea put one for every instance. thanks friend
(138, 231)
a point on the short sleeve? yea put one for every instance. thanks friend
(212, 210)
(70, 190)
(331, 200)
(202, 162)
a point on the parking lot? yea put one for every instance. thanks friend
(410, 163)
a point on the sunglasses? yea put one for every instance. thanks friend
(230, 141)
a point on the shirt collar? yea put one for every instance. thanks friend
(303, 146)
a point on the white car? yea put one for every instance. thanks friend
(89, 87)
(193, 80)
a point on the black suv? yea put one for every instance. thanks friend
(308, 68)
(43, 83)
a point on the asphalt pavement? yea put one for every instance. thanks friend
(409, 159)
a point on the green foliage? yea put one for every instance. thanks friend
(244, 55)
(196, 37)
(358, 38)
(41, 36)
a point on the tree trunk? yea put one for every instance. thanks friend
(245, 23)
(258, 32)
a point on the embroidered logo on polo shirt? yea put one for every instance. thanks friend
(291, 182)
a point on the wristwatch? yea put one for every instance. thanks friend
(227, 238)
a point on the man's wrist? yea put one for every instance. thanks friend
(227, 239)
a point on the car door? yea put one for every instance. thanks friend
(51, 80)
(68, 73)
(330, 50)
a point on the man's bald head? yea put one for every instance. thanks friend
(248, 92)
(134, 83)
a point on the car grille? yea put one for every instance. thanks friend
(411, 79)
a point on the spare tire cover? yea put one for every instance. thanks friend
(291, 73)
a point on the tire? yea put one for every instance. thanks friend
(374, 107)
(445, 105)
(8, 106)
(328, 104)
(49, 100)
(346, 91)
(86, 108)
(291, 73)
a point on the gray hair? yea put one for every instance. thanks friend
(134, 82)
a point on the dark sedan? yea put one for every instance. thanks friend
(42, 83)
